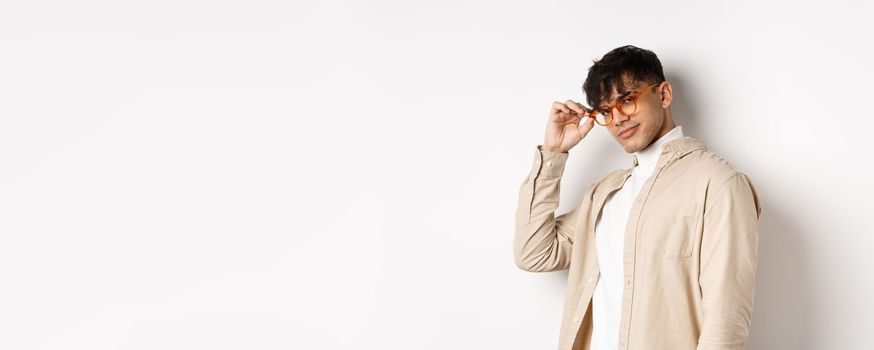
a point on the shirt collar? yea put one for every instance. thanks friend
(680, 147)
(675, 148)
(650, 155)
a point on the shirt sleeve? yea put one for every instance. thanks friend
(727, 278)
(542, 240)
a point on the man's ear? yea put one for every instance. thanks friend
(667, 94)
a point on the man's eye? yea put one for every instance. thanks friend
(628, 101)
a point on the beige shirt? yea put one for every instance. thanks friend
(689, 250)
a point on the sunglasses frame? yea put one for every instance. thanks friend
(592, 113)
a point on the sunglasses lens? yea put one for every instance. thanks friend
(600, 117)
(627, 107)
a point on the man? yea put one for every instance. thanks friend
(662, 255)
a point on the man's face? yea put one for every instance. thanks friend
(648, 123)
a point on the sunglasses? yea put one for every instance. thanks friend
(627, 105)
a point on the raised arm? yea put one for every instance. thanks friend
(543, 241)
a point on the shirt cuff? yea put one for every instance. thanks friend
(550, 164)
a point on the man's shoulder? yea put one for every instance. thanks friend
(695, 160)
(708, 164)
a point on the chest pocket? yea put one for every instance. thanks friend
(669, 228)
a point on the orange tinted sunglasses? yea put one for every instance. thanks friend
(627, 105)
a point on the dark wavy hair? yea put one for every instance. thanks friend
(621, 69)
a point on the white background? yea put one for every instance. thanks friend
(333, 175)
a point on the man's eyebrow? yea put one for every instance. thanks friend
(622, 94)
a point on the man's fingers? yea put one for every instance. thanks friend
(586, 126)
(575, 107)
(558, 106)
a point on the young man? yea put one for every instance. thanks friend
(662, 255)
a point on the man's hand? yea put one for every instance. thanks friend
(563, 128)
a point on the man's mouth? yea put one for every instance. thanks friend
(628, 132)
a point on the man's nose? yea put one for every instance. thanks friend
(618, 117)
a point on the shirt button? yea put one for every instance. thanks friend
(591, 280)
(549, 163)
(576, 320)
(628, 283)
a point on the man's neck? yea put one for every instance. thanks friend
(650, 154)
